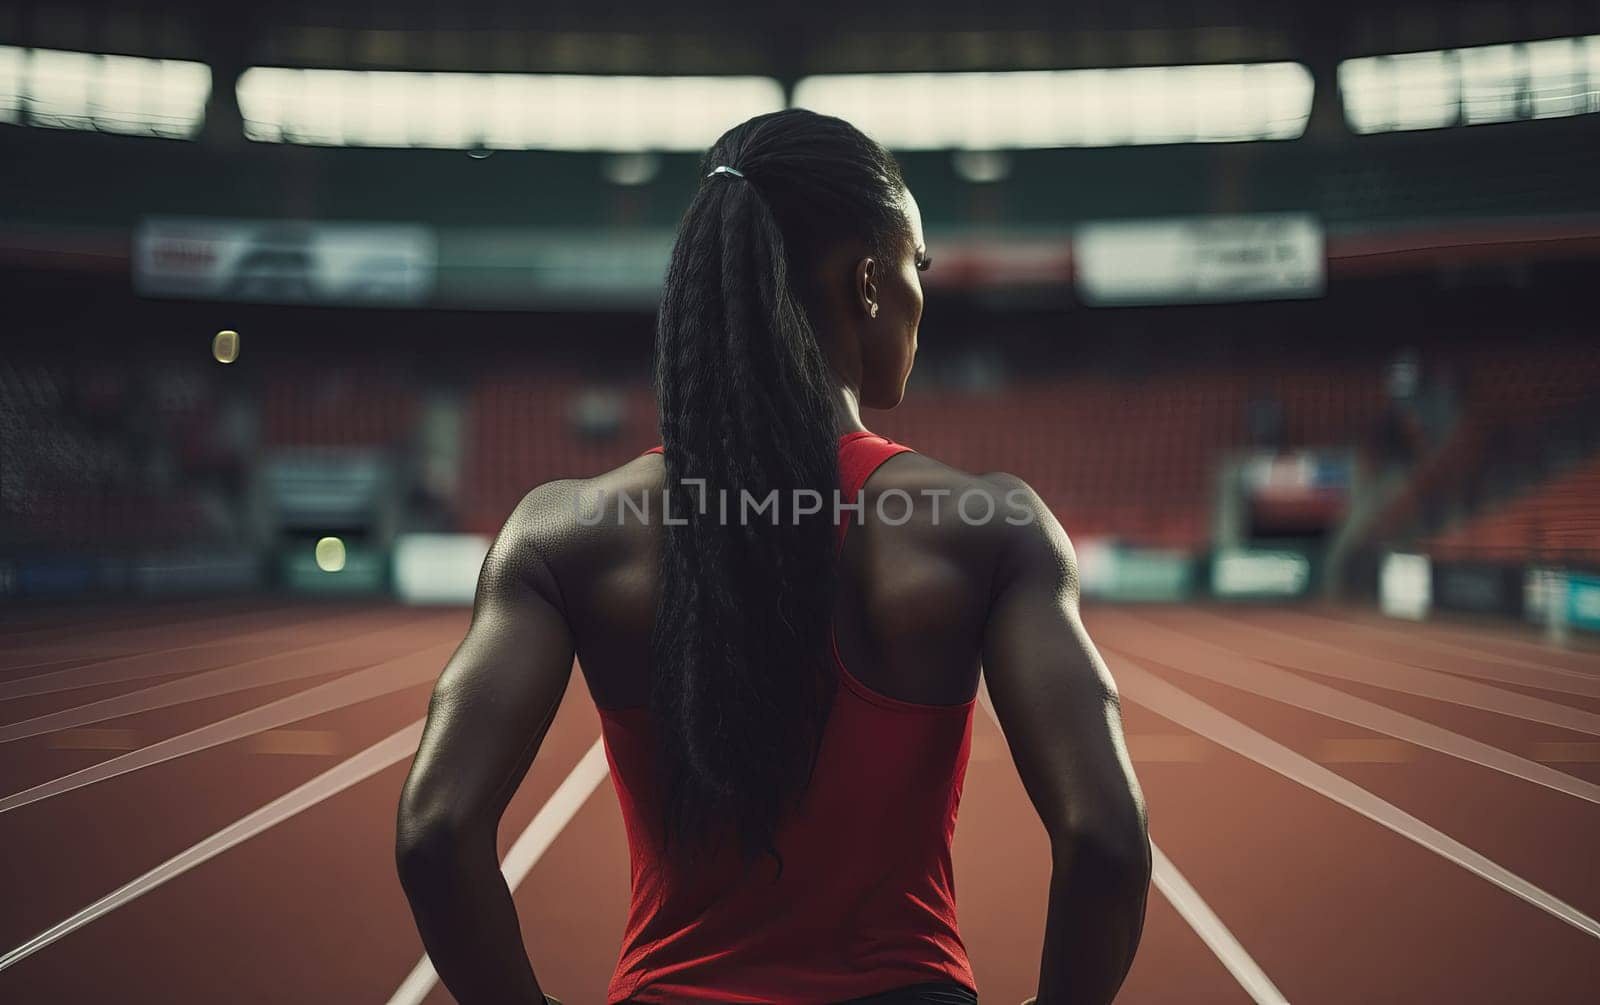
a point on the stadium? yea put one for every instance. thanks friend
(1285, 310)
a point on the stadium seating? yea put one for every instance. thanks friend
(1511, 403)
(338, 408)
(1148, 477)
(107, 459)
(1557, 521)
(523, 429)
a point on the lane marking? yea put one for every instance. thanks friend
(95, 739)
(1567, 751)
(386, 752)
(1178, 705)
(1430, 639)
(308, 742)
(395, 675)
(279, 668)
(114, 646)
(108, 617)
(1167, 748)
(524, 854)
(1364, 750)
(112, 618)
(1327, 661)
(1186, 653)
(1194, 910)
(1491, 666)
(157, 663)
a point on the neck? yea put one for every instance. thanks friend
(846, 408)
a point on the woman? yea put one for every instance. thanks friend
(786, 687)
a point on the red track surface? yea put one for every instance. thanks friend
(1332, 906)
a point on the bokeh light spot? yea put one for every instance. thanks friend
(225, 346)
(330, 554)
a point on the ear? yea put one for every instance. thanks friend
(866, 283)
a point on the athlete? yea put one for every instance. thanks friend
(782, 618)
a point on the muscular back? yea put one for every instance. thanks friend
(915, 578)
(924, 597)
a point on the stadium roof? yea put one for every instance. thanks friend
(784, 40)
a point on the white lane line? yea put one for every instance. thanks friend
(1464, 661)
(391, 750)
(129, 643)
(160, 662)
(524, 854)
(1488, 645)
(1320, 658)
(1193, 909)
(1199, 658)
(385, 678)
(1172, 702)
(382, 644)
(109, 619)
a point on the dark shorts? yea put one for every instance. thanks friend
(942, 993)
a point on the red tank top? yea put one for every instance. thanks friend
(865, 901)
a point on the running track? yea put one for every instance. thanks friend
(197, 802)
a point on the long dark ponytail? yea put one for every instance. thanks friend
(741, 684)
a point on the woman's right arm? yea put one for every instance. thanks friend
(1060, 712)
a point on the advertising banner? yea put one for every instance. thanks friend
(438, 568)
(1544, 593)
(285, 261)
(1108, 571)
(1479, 588)
(1583, 602)
(1267, 256)
(1260, 573)
(1405, 586)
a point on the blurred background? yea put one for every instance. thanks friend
(1335, 299)
(1256, 294)
(1287, 309)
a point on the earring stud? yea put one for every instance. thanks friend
(874, 311)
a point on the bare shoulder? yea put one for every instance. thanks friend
(553, 532)
(924, 477)
(997, 513)
(1035, 546)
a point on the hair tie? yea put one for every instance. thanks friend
(725, 169)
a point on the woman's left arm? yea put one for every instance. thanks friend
(489, 713)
